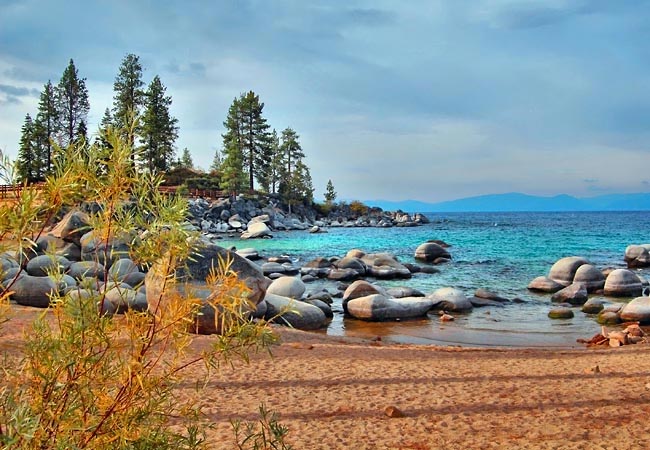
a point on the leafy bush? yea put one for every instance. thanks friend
(84, 380)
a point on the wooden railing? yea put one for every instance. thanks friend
(12, 191)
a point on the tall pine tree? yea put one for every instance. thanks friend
(277, 166)
(46, 124)
(247, 134)
(72, 104)
(159, 129)
(296, 183)
(29, 161)
(330, 193)
(129, 96)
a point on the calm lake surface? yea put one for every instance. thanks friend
(500, 252)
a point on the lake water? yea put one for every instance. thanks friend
(500, 252)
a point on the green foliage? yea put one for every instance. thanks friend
(129, 97)
(216, 162)
(29, 167)
(186, 159)
(72, 104)
(46, 125)
(330, 193)
(266, 434)
(84, 380)
(246, 144)
(296, 185)
(159, 129)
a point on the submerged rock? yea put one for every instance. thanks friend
(544, 284)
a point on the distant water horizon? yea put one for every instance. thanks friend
(500, 252)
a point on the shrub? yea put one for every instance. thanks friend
(84, 380)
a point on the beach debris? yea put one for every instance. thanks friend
(393, 412)
(632, 334)
(447, 317)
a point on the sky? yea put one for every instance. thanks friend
(429, 100)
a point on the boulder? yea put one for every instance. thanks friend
(360, 288)
(592, 278)
(489, 295)
(637, 256)
(378, 307)
(327, 309)
(385, 266)
(623, 283)
(593, 306)
(73, 225)
(207, 255)
(122, 268)
(293, 313)
(450, 299)
(94, 248)
(249, 253)
(290, 287)
(544, 284)
(124, 299)
(608, 318)
(40, 266)
(33, 291)
(638, 310)
(401, 292)
(564, 270)
(256, 230)
(560, 313)
(430, 251)
(575, 294)
(349, 262)
(82, 269)
(342, 274)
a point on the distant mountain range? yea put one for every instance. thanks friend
(523, 202)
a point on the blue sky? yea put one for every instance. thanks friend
(427, 100)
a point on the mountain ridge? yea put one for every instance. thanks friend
(518, 202)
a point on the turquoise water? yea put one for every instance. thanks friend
(501, 252)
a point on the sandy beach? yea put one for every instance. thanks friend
(332, 393)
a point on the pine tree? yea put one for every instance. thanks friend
(216, 162)
(72, 104)
(330, 194)
(233, 177)
(291, 151)
(247, 133)
(28, 162)
(104, 126)
(296, 183)
(129, 97)
(159, 129)
(46, 124)
(186, 159)
(277, 166)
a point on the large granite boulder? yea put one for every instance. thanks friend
(121, 269)
(256, 230)
(637, 256)
(293, 313)
(290, 287)
(378, 307)
(83, 269)
(355, 264)
(359, 288)
(43, 265)
(33, 291)
(105, 251)
(450, 299)
(638, 310)
(564, 270)
(207, 256)
(623, 283)
(592, 278)
(124, 299)
(73, 225)
(575, 294)
(544, 284)
(430, 251)
(385, 266)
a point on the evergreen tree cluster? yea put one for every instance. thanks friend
(62, 118)
(252, 152)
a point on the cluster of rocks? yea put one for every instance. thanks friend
(71, 259)
(632, 334)
(572, 280)
(225, 215)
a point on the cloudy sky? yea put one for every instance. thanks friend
(421, 99)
